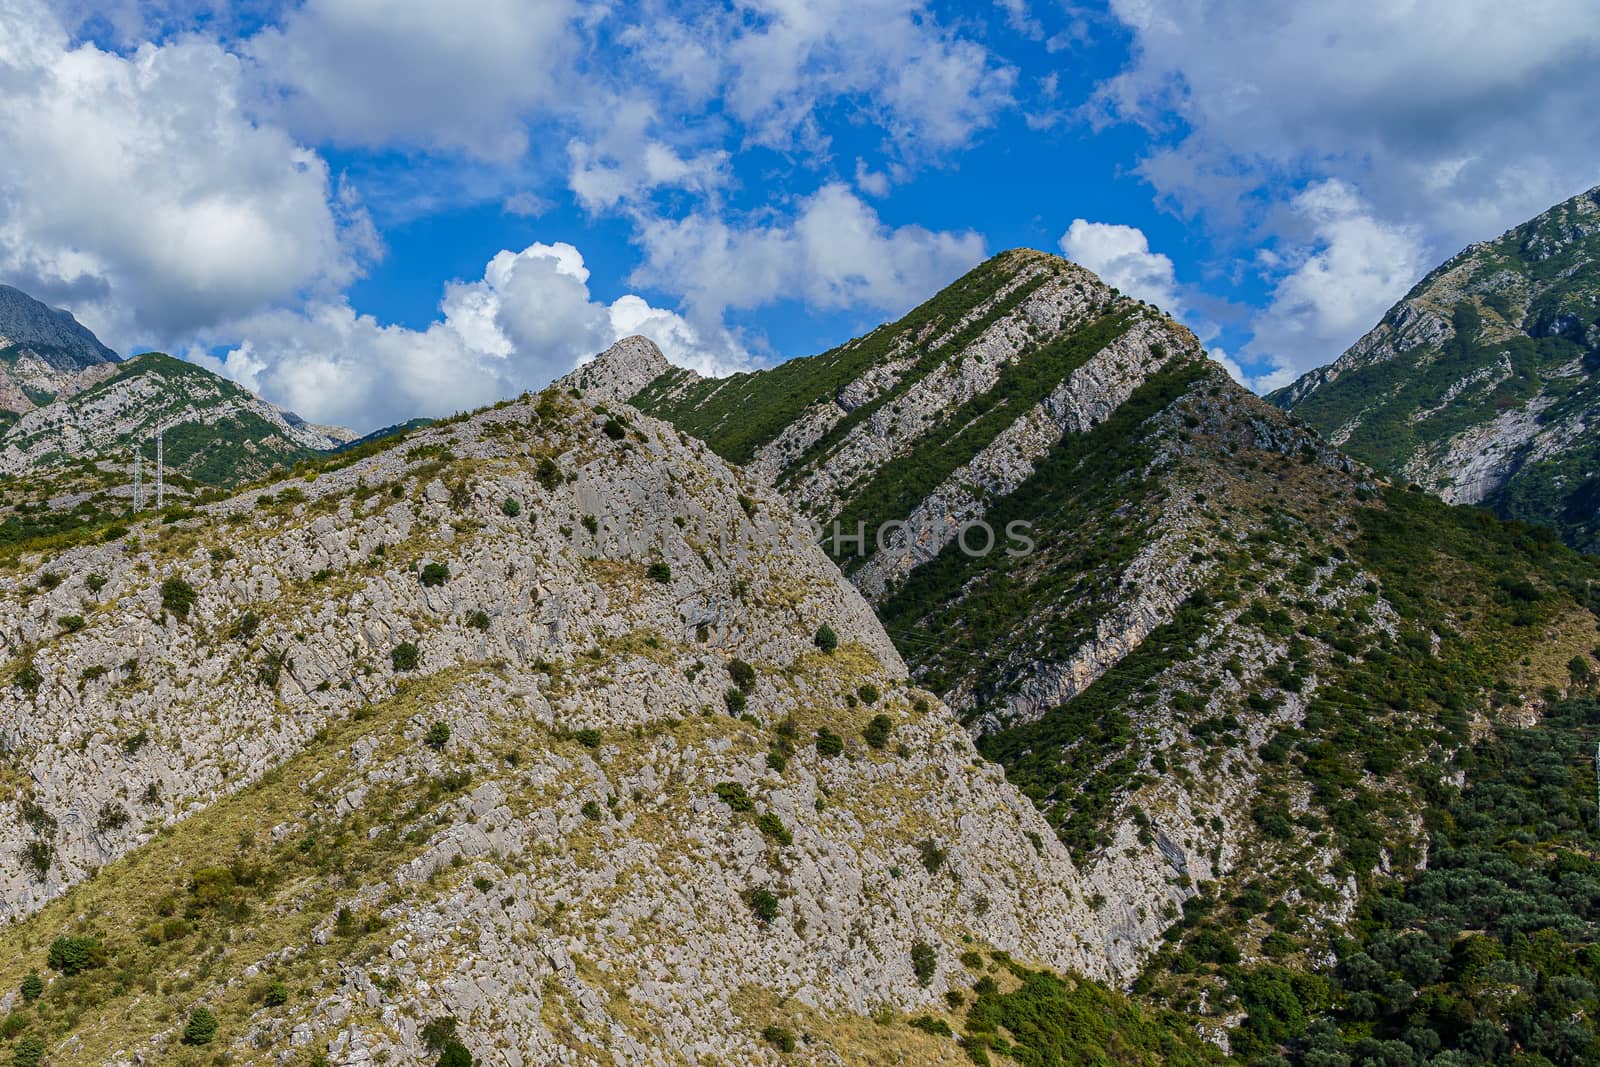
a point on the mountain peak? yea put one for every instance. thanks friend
(621, 371)
(50, 333)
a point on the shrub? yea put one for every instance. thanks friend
(826, 639)
(510, 508)
(439, 1031)
(32, 988)
(13, 1025)
(924, 962)
(591, 810)
(201, 1029)
(435, 574)
(405, 657)
(829, 743)
(763, 903)
(659, 572)
(734, 795)
(70, 623)
(277, 995)
(28, 1053)
(743, 675)
(177, 596)
(438, 736)
(773, 827)
(932, 855)
(112, 817)
(454, 1054)
(74, 955)
(95, 582)
(478, 620)
(779, 1037)
(37, 855)
(868, 693)
(245, 626)
(547, 473)
(930, 1024)
(615, 429)
(588, 737)
(28, 679)
(1579, 669)
(877, 732)
(735, 699)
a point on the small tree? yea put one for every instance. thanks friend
(435, 574)
(868, 693)
(877, 732)
(177, 596)
(924, 962)
(405, 657)
(826, 639)
(74, 955)
(763, 903)
(829, 744)
(779, 1037)
(29, 1052)
(510, 508)
(743, 675)
(659, 572)
(32, 988)
(735, 700)
(201, 1029)
(438, 736)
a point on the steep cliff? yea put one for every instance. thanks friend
(1483, 384)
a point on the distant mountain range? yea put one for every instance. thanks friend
(1483, 384)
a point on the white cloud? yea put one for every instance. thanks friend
(452, 76)
(1333, 289)
(623, 161)
(1121, 256)
(529, 319)
(835, 253)
(1465, 116)
(139, 190)
(776, 62)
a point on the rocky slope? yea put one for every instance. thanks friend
(1227, 662)
(545, 734)
(1483, 384)
(44, 353)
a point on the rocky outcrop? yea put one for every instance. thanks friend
(620, 372)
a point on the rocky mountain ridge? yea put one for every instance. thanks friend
(1483, 383)
(44, 353)
(1212, 596)
(528, 723)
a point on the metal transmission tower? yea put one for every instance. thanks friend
(138, 477)
(160, 484)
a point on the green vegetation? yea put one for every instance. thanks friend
(177, 596)
(405, 656)
(201, 1027)
(779, 1037)
(826, 639)
(876, 733)
(434, 574)
(659, 572)
(438, 736)
(924, 962)
(829, 744)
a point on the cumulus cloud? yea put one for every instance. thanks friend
(775, 63)
(453, 76)
(1455, 114)
(138, 189)
(835, 253)
(1333, 288)
(528, 320)
(1121, 256)
(623, 161)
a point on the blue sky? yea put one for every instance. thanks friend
(368, 211)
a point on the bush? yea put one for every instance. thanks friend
(772, 826)
(28, 679)
(614, 429)
(932, 855)
(245, 626)
(592, 811)
(510, 508)
(931, 1024)
(743, 675)
(177, 596)
(454, 1054)
(868, 693)
(588, 737)
(70, 623)
(405, 657)
(435, 574)
(74, 955)
(277, 995)
(779, 1037)
(763, 903)
(734, 795)
(877, 732)
(478, 620)
(735, 699)
(659, 572)
(32, 988)
(547, 473)
(201, 1029)
(826, 639)
(438, 736)
(28, 1053)
(37, 856)
(829, 743)
(924, 962)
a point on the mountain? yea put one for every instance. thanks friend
(541, 736)
(1233, 667)
(1483, 384)
(44, 353)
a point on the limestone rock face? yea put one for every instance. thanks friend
(44, 353)
(620, 372)
(464, 719)
(1483, 384)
